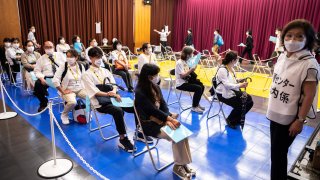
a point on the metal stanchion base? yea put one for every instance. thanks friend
(7, 115)
(49, 171)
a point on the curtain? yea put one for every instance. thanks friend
(235, 17)
(69, 17)
(161, 14)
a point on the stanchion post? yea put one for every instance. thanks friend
(5, 114)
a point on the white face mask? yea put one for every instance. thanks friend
(162, 30)
(71, 61)
(49, 51)
(33, 30)
(30, 49)
(294, 46)
(78, 40)
(62, 41)
(155, 80)
(215, 33)
(150, 50)
(98, 62)
(95, 44)
(16, 45)
(119, 47)
(7, 44)
(189, 32)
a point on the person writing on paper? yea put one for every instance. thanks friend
(46, 67)
(228, 89)
(121, 64)
(189, 38)
(163, 38)
(67, 80)
(186, 79)
(248, 46)
(96, 75)
(292, 92)
(62, 46)
(154, 114)
(28, 60)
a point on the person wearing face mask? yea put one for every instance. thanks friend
(228, 89)
(46, 67)
(146, 57)
(217, 43)
(13, 55)
(93, 43)
(186, 79)
(77, 45)
(28, 60)
(32, 37)
(163, 38)
(278, 48)
(96, 75)
(121, 65)
(154, 114)
(292, 92)
(62, 46)
(67, 80)
(3, 59)
(189, 39)
(248, 46)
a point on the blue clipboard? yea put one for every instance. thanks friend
(125, 102)
(194, 61)
(273, 39)
(49, 82)
(177, 135)
(33, 76)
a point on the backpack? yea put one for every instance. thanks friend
(66, 70)
(220, 41)
(79, 112)
(214, 82)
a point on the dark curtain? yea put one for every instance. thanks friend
(69, 17)
(161, 14)
(234, 17)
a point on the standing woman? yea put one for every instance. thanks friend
(62, 46)
(189, 39)
(248, 47)
(28, 60)
(121, 65)
(292, 92)
(163, 38)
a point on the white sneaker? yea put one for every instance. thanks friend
(65, 119)
(197, 110)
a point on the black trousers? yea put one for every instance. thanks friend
(15, 69)
(236, 103)
(280, 143)
(125, 75)
(41, 91)
(246, 51)
(196, 87)
(163, 45)
(117, 114)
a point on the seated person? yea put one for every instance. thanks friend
(28, 60)
(93, 43)
(186, 79)
(154, 114)
(13, 56)
(67, 80)
(94, 76)
(46, 67)
(228, 90)
(62, 47)
(146, 57)
(121, 65)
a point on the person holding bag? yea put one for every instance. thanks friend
(121, 65)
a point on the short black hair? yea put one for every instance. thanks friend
(26, 43)
(114, 45)
(187, 50)
(279, 29)
(95, 52)
(91, 39)
(218, 31)
(6, 39)
(249, 31)
(15, 39)
(230, 56)
(308, 29)
(190, 30)
(60, 37)
(143, 47)
(73, 53)
(74, 38)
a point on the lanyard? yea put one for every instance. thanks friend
(101, 80)
(77, 72)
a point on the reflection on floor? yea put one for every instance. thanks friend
(218, 151)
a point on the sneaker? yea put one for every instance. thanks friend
(140, 138)
(41, 108)
(197, 110)
(189, 170)
(65, 119)
(201, 107)
(181, 172)
(126, 145)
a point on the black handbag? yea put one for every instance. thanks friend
(103, 100)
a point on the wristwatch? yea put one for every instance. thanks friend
(301, 119)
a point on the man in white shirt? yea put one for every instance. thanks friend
(31, 36)
(93, 43)
(13, 56)
(46, 67)
(163, 38)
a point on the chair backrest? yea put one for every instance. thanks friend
(157, 49)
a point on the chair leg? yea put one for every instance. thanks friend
(180, 104)
(100, 129)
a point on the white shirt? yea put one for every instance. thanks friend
(115, 55)
(286, 88)
(44, 67)
(72, 79)
(163, 36)
(63, 48)
(11, 53)
(143, 59)
(227, 82)
(92, 77)
(181, 68)
(278, 46)
(31, 36)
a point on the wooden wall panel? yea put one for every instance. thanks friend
(142, 23)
